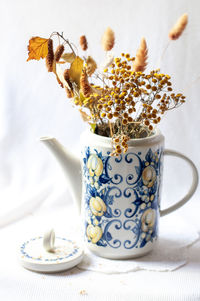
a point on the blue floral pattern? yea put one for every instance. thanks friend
(104, 189)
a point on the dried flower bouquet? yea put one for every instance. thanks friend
(118, 99)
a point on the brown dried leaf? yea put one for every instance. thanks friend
(37, 48)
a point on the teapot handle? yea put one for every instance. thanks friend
(193, 187)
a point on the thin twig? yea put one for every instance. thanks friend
(162, 55)
(66, 41)
(191, 84)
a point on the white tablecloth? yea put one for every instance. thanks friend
(17, 283)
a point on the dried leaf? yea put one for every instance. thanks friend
(84, 116)
(76, 70)
(91, 65)
(37, 48)
(93, 127)
(68, 57)
(60, 77)
(81, 97)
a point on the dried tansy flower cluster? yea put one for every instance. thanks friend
(120, 101)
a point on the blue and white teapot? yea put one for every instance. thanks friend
(119, 197)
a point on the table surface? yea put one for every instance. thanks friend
(17, 283)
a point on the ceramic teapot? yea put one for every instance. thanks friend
(119, 197)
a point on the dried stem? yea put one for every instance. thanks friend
(66, 41)
(159, 61)
(111, 130)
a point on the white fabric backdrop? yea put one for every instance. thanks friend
(33, 105)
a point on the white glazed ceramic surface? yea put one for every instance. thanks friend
(121, 195)
(64, 255)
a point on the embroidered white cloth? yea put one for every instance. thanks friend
(170, 253)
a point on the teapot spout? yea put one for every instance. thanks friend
(71, 166)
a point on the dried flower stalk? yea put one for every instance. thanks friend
(83, 43)
(84, 84)
(50, 56)
(108, 39)
(58, 53)
(128, 103)
(140, 62)
(108, 61)
(179, 27)
(91, 66)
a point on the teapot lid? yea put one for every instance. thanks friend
(50, 254)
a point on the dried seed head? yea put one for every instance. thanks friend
(108, 39)
(67, 78)
(50, 56)
(83, 43)
(59, 51)
(179, 27)
(141, 57)
(84, 84)
(91, 66)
